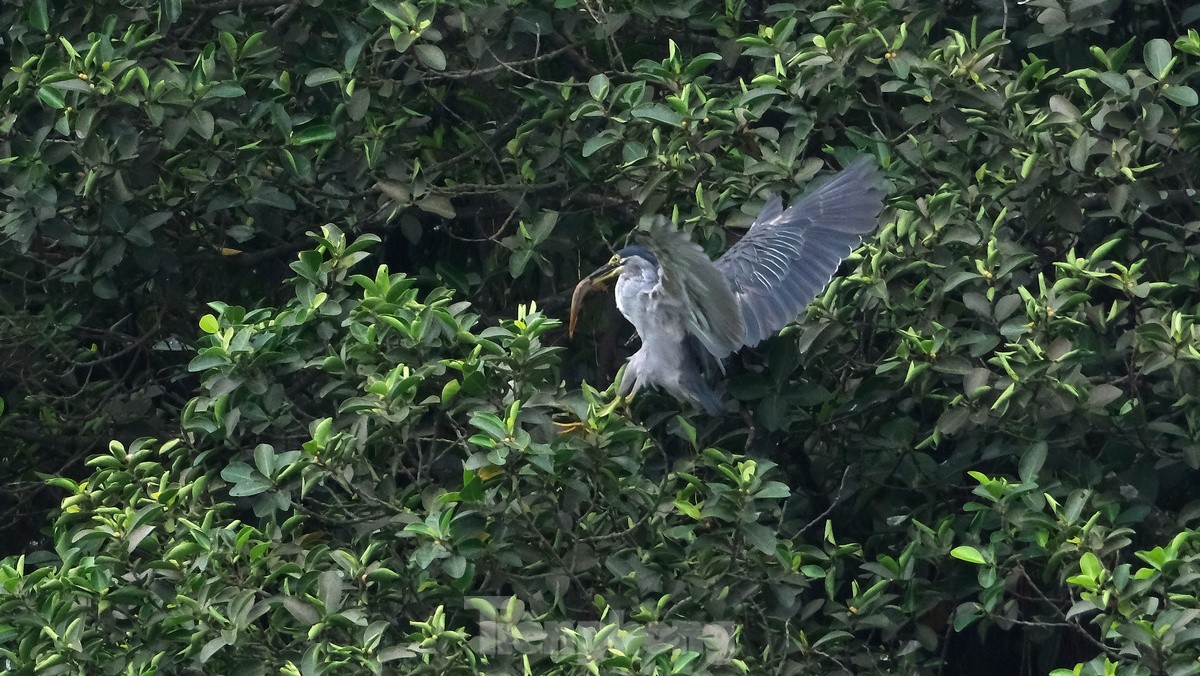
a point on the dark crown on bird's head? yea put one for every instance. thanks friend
(640, 251)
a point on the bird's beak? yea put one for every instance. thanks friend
(596, 280)
(605, 272)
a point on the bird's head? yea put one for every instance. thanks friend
(631, 258)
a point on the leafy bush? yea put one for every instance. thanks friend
(374, 530)
(982, 437)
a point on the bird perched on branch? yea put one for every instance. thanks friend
(688, 309)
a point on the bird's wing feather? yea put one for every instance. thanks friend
(788, 256)
(686, 273)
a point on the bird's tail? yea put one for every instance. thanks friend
(709, 400)
(699, 391)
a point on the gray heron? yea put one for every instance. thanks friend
(689, 310)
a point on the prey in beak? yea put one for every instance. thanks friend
(594, 281)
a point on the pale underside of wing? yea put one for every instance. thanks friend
(713, 314)
(789, 255)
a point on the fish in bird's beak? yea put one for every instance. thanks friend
(596, 280)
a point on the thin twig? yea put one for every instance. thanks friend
(501, 65)
(286, 16)
(1078, 628)
(833, 503)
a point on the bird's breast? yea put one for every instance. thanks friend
(655, 317)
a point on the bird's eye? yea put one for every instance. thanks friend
(615, 260)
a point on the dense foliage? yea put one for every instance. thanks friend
(977, 451)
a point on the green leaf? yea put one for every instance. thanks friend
(104, 288)
(209, 324)
(1157, 54)
(688, 509)
(700, 63)
(315, 134)
(51, 97)
(72, 85)
(519, 261)
(319, 76)
(70, 48)
(633, 151)
(757, 93)
(203, 362)
(1104, 394)
(353, 53)
(480, 440)
(1181, 94)
(773, 490)
(658, 112)
(1090, 565)
(252, 486)
(436, 204)
(1084, 581)
(1032, 461)
(202, 122)
(491, 424)
(38, 15)
(968, 554)
(272, 197)
(246, 481)
(455, 567)
(229, 43)
(225, 90)
(832, 637)
(534, 21)
(237, 471)
(431, 56)
(598, 87)
(395, 652)
(301, 610)
(763, 538)
(264, 459)
(597, 143)
(321, 430)
(211, 648)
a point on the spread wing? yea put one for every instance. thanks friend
(788, 256)
(713, 314)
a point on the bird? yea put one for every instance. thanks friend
(691, 312)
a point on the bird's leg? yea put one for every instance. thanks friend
(626, 400)
(751, 432)
(630, 384)
(623, 381)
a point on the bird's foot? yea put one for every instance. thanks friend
(621, 401)
(626, 402)
(565, 428)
